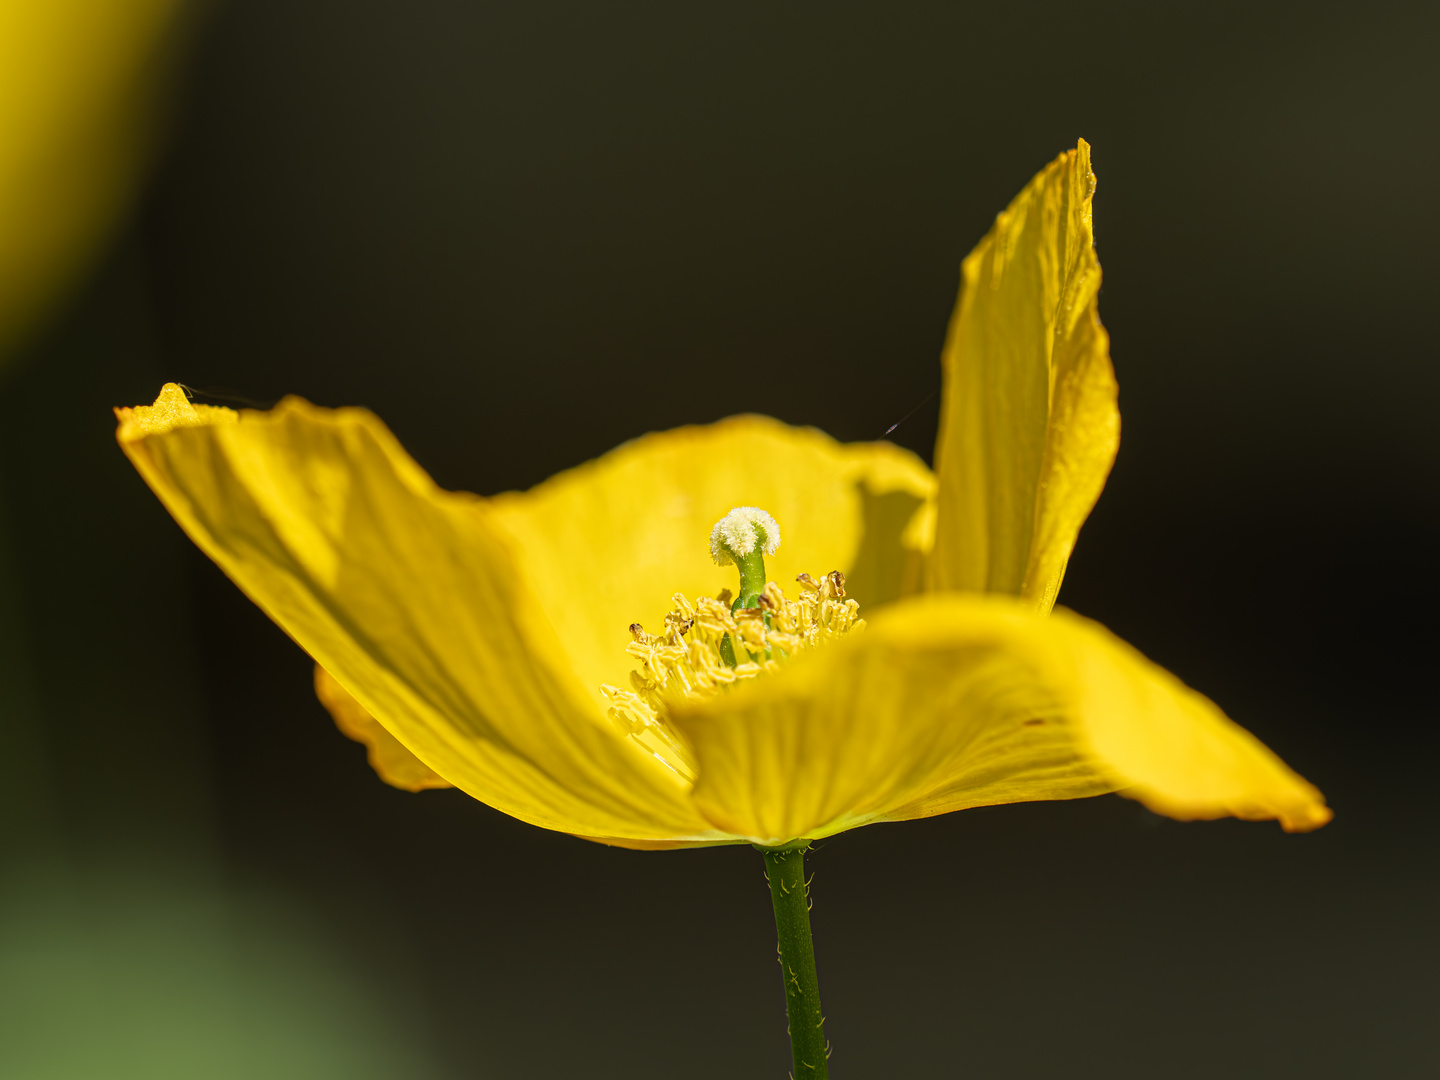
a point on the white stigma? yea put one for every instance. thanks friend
(737, 533)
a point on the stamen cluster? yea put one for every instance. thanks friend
(686, 661)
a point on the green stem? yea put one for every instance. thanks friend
(752, 584)
(785, 867)
(752, 578)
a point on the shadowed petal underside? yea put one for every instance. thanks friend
(387, 755)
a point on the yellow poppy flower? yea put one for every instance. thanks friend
(487, 643)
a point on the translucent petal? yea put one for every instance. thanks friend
(608, 543)
(410, 597)
(954, 701)
(1029, 424)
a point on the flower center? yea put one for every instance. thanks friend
(711, 644)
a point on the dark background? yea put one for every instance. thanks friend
(526, 233)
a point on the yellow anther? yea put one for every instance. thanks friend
(686, 662)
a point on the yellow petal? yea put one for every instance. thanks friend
(1028, 424)
(394, 764)
(409, 596)
(954, 701)
(1171, 748)
(608, 543)
(172, 409)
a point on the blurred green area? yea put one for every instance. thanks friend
(147, 971)
(129, 945)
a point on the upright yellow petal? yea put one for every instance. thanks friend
(608, 543)
(1029, 424)
(411, 598)
(948, 702)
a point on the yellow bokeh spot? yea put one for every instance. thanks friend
(80, 82)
